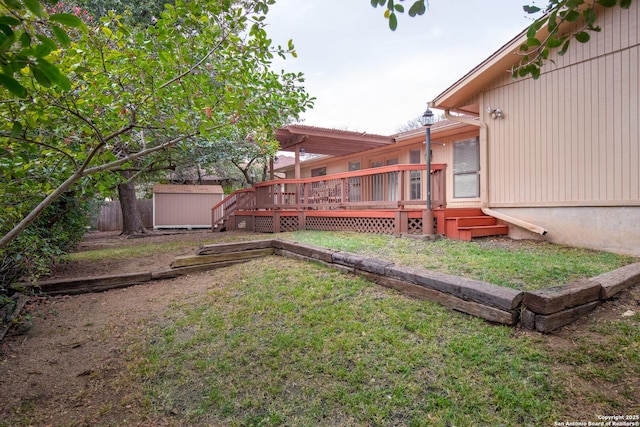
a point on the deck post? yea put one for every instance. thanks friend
(302, 220)
(276, 221)
(427, 222)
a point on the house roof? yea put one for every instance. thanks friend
(333, 142)
(499, 63)
(441, 129)
(458, 97)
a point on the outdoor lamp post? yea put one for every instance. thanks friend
(427, 219)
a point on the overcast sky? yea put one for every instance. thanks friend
(367, 78)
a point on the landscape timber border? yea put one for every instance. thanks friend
(541, 310)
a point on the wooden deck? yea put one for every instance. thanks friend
(386, 200)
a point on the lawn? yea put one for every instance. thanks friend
(284, 342)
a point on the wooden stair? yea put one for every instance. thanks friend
(467, 223)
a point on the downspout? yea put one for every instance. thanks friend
(484, 183)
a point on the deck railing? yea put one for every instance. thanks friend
(388, 187)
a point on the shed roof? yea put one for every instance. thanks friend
(187, 189)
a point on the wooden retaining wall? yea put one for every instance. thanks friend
(543, 310)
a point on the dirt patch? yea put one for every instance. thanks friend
(71, 367)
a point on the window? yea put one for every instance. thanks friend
(353, 192)
(415, 183)
(466, 169)
(319, 171)
(392, 181)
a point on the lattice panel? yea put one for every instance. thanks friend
(360, 225)
(263, 224)
(288, 223)
(414, 226)
(244, 223)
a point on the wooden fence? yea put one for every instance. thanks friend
(110, 218)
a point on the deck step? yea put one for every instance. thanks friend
(474, 221)
(467, 233)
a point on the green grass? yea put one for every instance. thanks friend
(144, 247)
(292, 343)
(524, 265)
(283, 342)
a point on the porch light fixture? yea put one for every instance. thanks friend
(495, 113)
(427, 121)
(302, 150)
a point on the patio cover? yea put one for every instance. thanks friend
(330, 142)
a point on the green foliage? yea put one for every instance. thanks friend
(117, 96)
(534, 51)
(52, 235)
(140, 12)
(419, 7)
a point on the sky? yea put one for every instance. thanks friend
(367, 78)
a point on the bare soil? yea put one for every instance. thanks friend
(70, 367)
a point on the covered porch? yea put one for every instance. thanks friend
(389, 199)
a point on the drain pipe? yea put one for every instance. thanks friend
(484, 183)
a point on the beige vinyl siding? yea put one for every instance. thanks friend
(571, 137)
(184, 206)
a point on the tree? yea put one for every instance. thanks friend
(112, 97)
(535, 51)
(139, 12)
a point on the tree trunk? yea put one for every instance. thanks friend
(131, 218)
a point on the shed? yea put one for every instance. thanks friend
(184, 206)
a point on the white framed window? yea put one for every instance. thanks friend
(319, 171)
(466, 169)
(415, 180)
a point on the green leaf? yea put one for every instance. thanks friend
(582, 36)
(61, 35)
(531, 9)
(417, 8)
(41, 51)
(393, 22)
(533, 28)
(34, 6)
(572, 16)
(564, 49)
(607, 3)
(625, 4)
(47, 41)
(553, 42)
(16, 129)
(13, 4)
(399, 8)
(9, 20)
(66, 19)
(533, 42)
(25, 39)
(54, 74)
(13, 86)
(535, 72)
(40, 76)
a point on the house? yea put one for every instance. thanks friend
(555, 158)
(561, 153)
